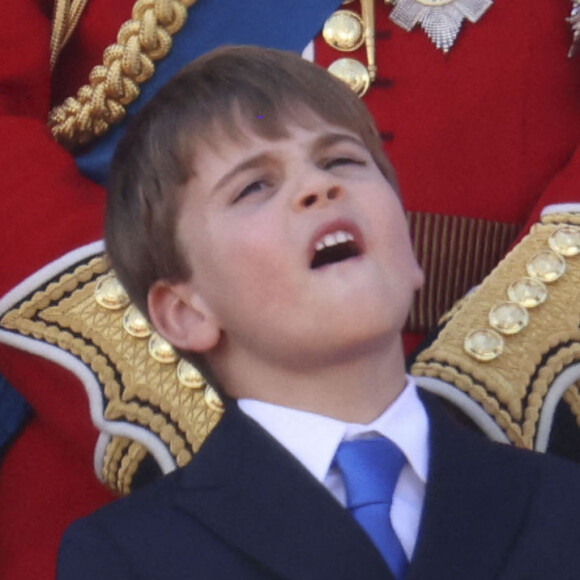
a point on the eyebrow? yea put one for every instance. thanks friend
(323, 142)
(251, 163)
(330, 139)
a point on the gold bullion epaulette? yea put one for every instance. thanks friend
(147, 403)
(509, 353)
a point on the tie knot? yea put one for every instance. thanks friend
(370, 469)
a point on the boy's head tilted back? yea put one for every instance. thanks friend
(253, 216)
(156, 157)
(211, 229)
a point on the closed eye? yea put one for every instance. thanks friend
(342, 161)
(254, 187)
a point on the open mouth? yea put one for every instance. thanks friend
(333, 248)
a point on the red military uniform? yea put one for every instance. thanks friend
(488, 131)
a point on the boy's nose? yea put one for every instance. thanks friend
(313, 199)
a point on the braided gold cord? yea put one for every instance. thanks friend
(122, 459)
(141, 41)
(114, 453)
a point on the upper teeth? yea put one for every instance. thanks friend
(333, 239)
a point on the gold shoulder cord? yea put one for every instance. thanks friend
(141, 41)
(67, 14)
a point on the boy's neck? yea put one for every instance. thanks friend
(354, 390)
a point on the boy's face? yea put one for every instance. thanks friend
(298, 246)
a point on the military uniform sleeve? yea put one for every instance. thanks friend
(87, 552)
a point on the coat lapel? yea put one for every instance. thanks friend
(252, 493)
(475, 504)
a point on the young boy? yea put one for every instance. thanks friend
(254, 217)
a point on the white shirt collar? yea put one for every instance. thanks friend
(313, 439)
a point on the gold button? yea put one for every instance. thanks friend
(135, 323)
(110, 294)
(546, 266)
(344, 30)
(565, 241)
(483, 345)
(212, 399)
(161, 350)
(508, 317)
(189, 376)
(353, 73)
(528, 292)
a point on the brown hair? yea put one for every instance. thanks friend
(155, 158)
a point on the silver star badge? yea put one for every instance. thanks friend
(440, 19)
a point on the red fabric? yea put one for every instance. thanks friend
(489, 130)
(483, 130)
(46, 478)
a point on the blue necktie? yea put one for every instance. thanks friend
(370, 469)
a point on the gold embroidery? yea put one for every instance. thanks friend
(511, 389)
(136, 389)
(122, 459)
(572, 398)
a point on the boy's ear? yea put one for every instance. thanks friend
(182, 317)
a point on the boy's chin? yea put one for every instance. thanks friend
(368, 308)
(362, 338)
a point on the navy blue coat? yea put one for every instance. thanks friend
(246, 509)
